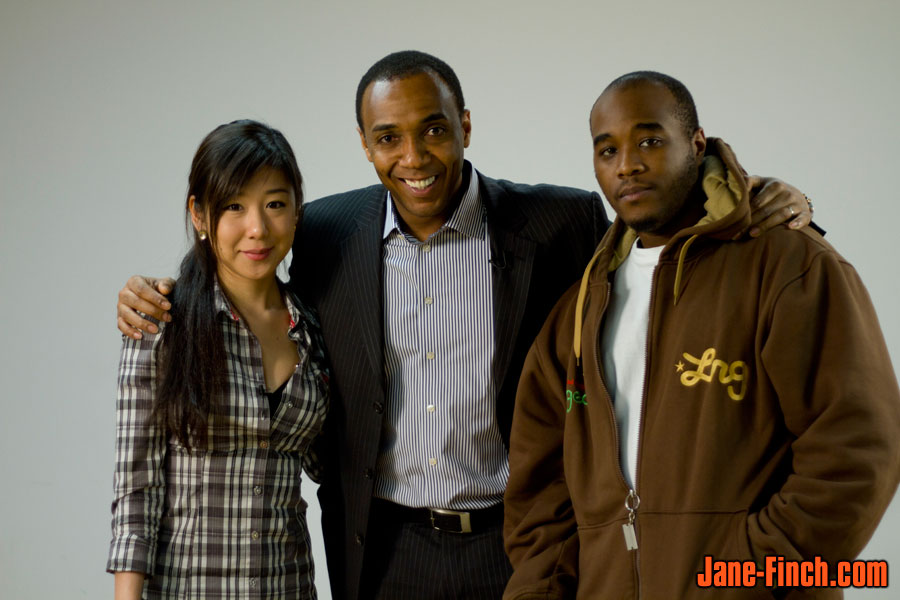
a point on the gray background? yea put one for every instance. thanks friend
(102, 105)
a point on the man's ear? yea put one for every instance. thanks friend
(698, 141)
(197, 220)
(365, 146)
(466, 127)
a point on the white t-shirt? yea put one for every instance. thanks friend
(624, 348)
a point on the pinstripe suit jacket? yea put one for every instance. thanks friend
(541, 239)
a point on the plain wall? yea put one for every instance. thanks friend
(102, 105)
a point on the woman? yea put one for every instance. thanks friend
(216, 413)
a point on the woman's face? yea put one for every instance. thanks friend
(256, 229)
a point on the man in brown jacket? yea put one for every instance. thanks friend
(701, 414)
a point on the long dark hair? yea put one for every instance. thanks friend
(192, 359)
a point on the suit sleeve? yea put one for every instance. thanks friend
(539, 527)
(300, 269)
(827, 361)
(312, 459)
(139, 481)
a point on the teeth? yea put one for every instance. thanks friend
(420, 184)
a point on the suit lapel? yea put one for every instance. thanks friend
(512, 258)
(512, 255)
(362, 255)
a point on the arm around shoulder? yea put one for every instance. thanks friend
(143, 295)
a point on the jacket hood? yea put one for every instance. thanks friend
(727, 206)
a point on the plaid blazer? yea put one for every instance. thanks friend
(225, 520)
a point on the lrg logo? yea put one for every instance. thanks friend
(708, 364)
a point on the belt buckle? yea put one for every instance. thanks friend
(465, 521)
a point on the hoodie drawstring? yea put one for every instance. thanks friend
(579, 308)
(680, 269)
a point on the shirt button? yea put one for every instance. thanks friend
(264, 444)
(379, 407)
(254, 535)
(432, 461)
(429, 300)
(430, 408)
(430, 356)
(426, 247)
(257, 490)
(253, 582)
(289, 404)
(369, 473)
(359, 539)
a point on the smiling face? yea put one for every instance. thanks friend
(255, 230)
(414, 135)
(645, 161)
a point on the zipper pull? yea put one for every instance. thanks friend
(632, 501)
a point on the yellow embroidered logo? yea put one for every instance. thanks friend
(706, 367)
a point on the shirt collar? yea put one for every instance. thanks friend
(467, 219)
(223, 306)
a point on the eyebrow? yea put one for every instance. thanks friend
(438, 116)
(267, 192)
(651, 126)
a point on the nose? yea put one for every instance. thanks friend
(630, 162)
(414, 153)
(257, 225)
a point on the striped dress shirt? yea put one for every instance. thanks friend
(441, 445)
(225, 520)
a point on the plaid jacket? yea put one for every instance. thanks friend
(225, 520)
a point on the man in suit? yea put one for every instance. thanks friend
(430, 288)
(429, 303)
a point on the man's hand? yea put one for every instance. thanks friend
(143, 294)
(774, 202)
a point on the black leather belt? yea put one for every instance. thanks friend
(453, 521)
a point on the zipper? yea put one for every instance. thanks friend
(632, 500)
(609, 406)
(637, 467)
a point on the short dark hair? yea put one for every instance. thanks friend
(399, 65)
(686, 110)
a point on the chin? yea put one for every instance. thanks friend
(647, 224)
